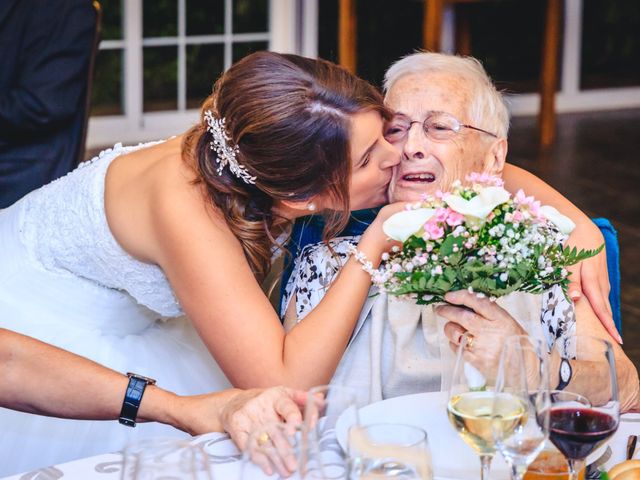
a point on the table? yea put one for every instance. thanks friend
(225, 457)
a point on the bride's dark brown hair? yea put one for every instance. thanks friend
(290, 117)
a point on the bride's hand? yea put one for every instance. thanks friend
(591, 277)
(374, 241)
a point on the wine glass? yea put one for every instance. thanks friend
(328, 406)
(471, 402)
(522, 377)
(388, 450)
(163, 458)
(585, 406)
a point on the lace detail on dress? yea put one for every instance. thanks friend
(315, 269)
(64, 227)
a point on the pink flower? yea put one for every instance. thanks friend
(520, 198)
(434, 230)
(484, 179)
(535, 209)
(441, 214)
(517, 217)
(454, 218)
(529, 203)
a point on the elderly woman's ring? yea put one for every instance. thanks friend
(469, 345)
(263, 439)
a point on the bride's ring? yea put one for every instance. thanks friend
(469, 345)
(263, 439)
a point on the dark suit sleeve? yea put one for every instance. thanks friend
(51, 81)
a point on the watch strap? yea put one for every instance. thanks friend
(133, 397)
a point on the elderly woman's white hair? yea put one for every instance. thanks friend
(487, 109)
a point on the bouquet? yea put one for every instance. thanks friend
(480, 238)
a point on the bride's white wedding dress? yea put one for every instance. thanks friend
(65, 280)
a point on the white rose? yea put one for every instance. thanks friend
(481, 205)
(402, 225)
(564, 223)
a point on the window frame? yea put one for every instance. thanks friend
(293, 27)
(135, 124)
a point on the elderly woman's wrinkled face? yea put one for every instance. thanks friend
(429, 165)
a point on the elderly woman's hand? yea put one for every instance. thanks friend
(489, 324)
(249, 409)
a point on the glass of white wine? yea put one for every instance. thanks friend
(473, 404)
(523, 373)
(389, 450)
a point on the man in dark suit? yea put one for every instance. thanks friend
(45, 50)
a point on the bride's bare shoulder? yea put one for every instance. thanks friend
(153, 197)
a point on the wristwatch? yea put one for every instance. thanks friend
(133, 397)
(565, 374)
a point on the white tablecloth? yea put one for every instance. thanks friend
(225, 458)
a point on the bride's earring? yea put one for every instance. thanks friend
(311, 207)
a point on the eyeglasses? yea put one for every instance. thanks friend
(438, 126)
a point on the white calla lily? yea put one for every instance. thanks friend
(481, 205)
(402, 225)
(564, 223)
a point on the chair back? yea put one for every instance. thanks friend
(613, 266)
(87, 101)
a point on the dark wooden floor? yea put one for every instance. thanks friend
(596, 164)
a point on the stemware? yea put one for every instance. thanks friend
(523, 375)
(585, 412)
(326, 406)
(388, 450)
(472, 402)
(158, 458)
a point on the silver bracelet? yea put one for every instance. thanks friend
(361, 258)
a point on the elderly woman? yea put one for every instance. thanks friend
(450, 121)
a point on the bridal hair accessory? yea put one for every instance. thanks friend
(361, 258)
(226, 154)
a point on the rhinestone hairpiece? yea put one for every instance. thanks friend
(225, 153)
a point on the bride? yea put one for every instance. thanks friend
(149, 258)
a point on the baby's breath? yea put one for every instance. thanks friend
(515, 248)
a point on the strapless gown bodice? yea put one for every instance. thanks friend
(65, 229)
(65, 280)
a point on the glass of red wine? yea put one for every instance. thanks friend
(585, 406)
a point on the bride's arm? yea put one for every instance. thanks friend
(207, 269)
(589, 276)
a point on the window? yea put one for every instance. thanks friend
(107, 93)
(158, 61)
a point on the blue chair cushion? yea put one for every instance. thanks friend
(613, 266)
